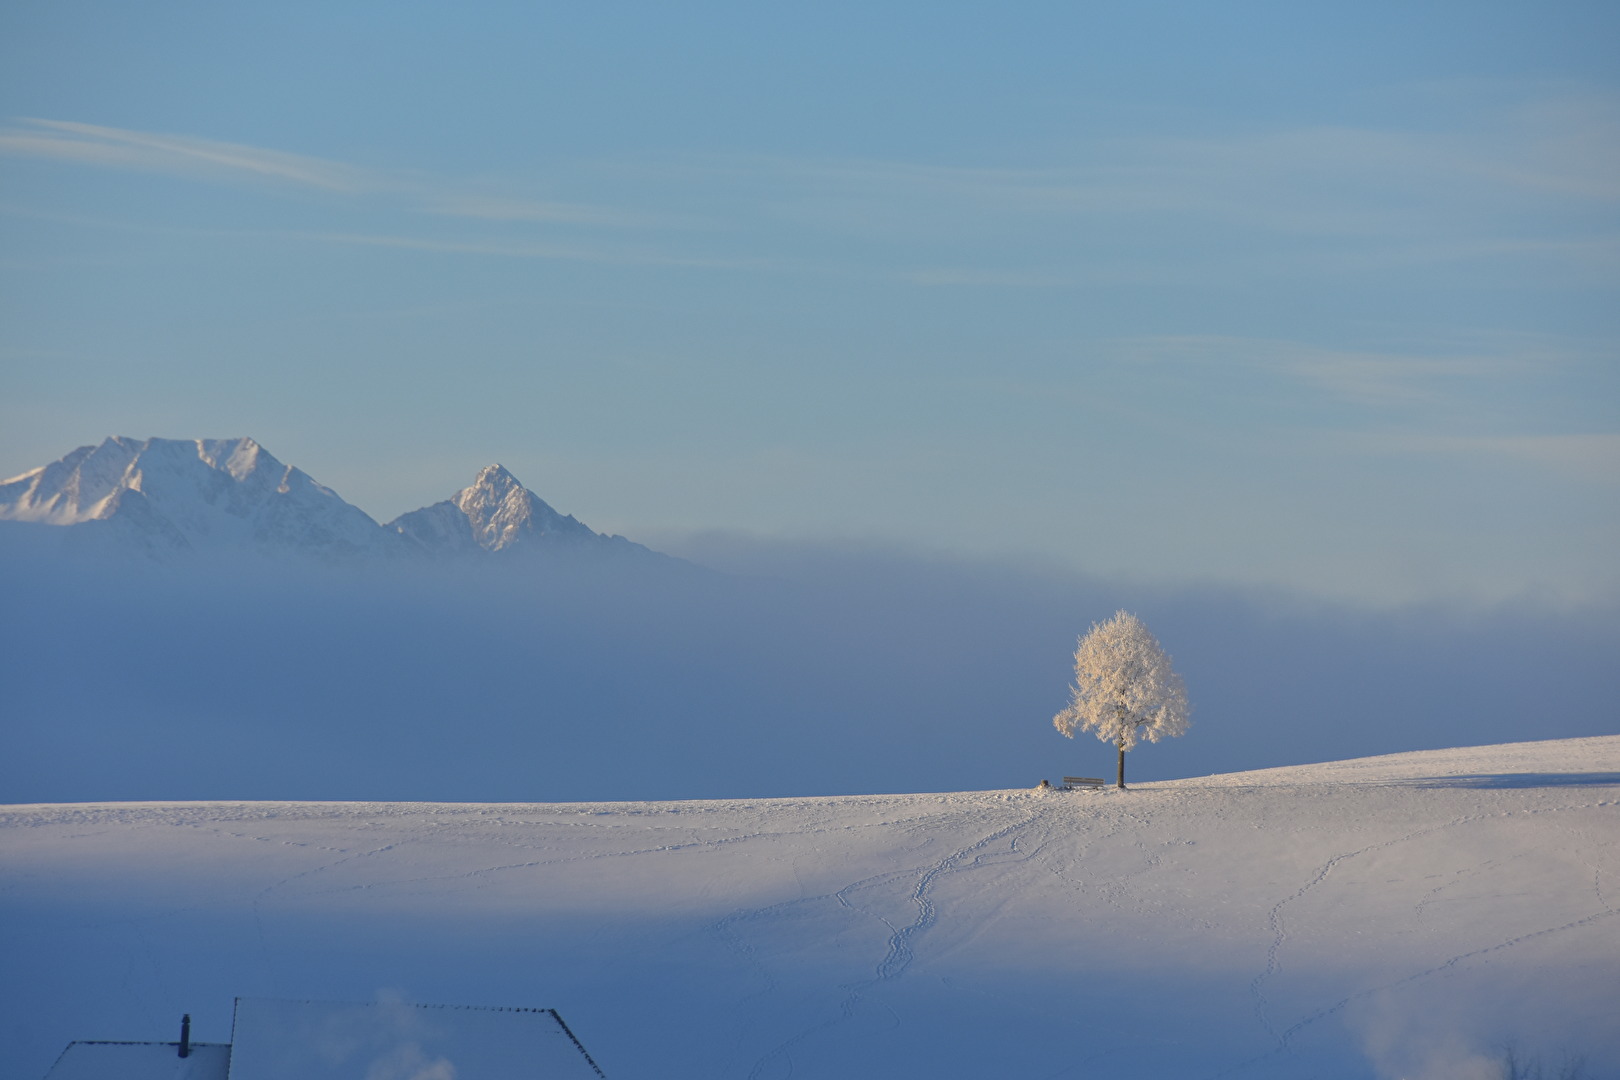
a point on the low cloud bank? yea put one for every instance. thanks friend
(806, 670)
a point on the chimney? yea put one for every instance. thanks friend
(185, 1035)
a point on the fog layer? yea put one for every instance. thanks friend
(804, 670)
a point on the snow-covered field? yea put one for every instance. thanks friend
(1402, 916)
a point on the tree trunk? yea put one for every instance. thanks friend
(1122, 765)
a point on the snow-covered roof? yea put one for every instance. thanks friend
(325, 1040)
(141, 1061)
(330, 1040)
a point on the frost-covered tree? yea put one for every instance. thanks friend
(1124, 689)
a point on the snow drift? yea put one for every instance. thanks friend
(1403, 916)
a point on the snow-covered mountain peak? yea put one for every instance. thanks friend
(495, 477)
(496, 514)
(239, 457)
(503, 513)
(186, 493)
(159, 495)
(76, 488)
(86, 485)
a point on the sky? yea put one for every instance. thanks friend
(1319, 298)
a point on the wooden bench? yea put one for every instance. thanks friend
(1075, 783)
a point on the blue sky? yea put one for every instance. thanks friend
(1312, 296)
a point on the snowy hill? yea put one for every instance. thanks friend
(162, 496)
(1401, 916)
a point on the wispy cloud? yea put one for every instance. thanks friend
(1361, 376)
(494, 208)
(1504, 399)
(212, 160)
(518, 249)
(989, 276)
(1359, 183)
(1589, 456)
(1537, 180)
(179, 155)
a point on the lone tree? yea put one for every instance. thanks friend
(1124, 688)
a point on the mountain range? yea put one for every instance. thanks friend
(166, 496)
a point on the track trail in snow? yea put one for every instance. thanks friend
(266, 953)
(903, 940)
(1281, 933)
(954, 935)
(692, 841)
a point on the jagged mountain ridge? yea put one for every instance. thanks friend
(495, 514)
(162, 496)
(166, 495)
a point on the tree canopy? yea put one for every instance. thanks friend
(1124, 688)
